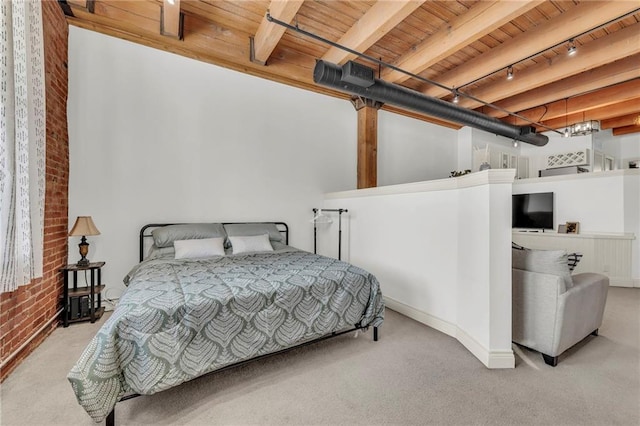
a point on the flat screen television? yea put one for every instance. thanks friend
(532, 211)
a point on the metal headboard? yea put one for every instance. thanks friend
(282, 227)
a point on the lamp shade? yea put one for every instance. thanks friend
(84, 226)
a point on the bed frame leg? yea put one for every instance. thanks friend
(375, 334)
(111, 418)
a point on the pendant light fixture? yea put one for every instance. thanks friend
(510, 72)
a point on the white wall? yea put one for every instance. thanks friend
(412, 150)
(629, 148)
(441, 252)
(596, 200)
(632, 221)
(159, 137)
(156, 137)
(603, 202)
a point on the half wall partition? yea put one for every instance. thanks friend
(441, 251)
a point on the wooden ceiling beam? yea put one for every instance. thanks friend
(592, 100)
(269, 34)
(171, 22)
(622, 121)
(607, 75)
(619, 131)
(615, 110)
(140, 16)
(201, 43)
(581, 18)
(481, 19)
(375, 24)
(591, 55)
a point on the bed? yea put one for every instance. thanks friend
(210, 296)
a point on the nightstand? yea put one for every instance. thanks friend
(79, 303)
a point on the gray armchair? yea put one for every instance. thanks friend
(550, 316)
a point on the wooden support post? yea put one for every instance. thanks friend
(171, 19)
(367, 141)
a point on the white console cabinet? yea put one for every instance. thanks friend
(608, 254)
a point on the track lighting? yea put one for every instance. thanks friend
(515, 143)
(456, 98)
(510, 73)
(566, 132)
(571, 49)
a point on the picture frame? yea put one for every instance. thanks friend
(572, 227)
(562, 229)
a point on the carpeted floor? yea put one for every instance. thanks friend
(413, 375)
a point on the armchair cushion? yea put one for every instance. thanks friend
(553, 262)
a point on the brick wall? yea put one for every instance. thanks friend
(25, 310)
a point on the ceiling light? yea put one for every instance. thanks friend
(571, 49)
(515, 143)
(566, 132)
(585, 128)
(456, 98)
(510, 73)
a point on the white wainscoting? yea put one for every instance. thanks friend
(608, 254)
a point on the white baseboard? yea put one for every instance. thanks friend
(624, 282)
(491, 359)
(421, 316)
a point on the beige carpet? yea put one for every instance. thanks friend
(413, 375)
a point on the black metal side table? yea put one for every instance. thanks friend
(79, 303)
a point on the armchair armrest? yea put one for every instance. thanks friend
(535, 308)
(581, 308)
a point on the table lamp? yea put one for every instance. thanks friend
(84, 226)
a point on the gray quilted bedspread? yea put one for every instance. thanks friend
(179, 319)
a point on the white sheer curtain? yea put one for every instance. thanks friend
(22, 143)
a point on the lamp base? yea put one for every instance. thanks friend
(83, 262)
(84, 250)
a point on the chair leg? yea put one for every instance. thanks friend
(550, 360)
(594, 332)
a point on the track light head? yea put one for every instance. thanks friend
(456, 98)
(510, 73)
(571, 48)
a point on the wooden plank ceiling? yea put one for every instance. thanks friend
(464, 45)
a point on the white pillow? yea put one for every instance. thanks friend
(204, 247)
(552, 262)
(252, 243)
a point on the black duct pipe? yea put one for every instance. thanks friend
(359, 80)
